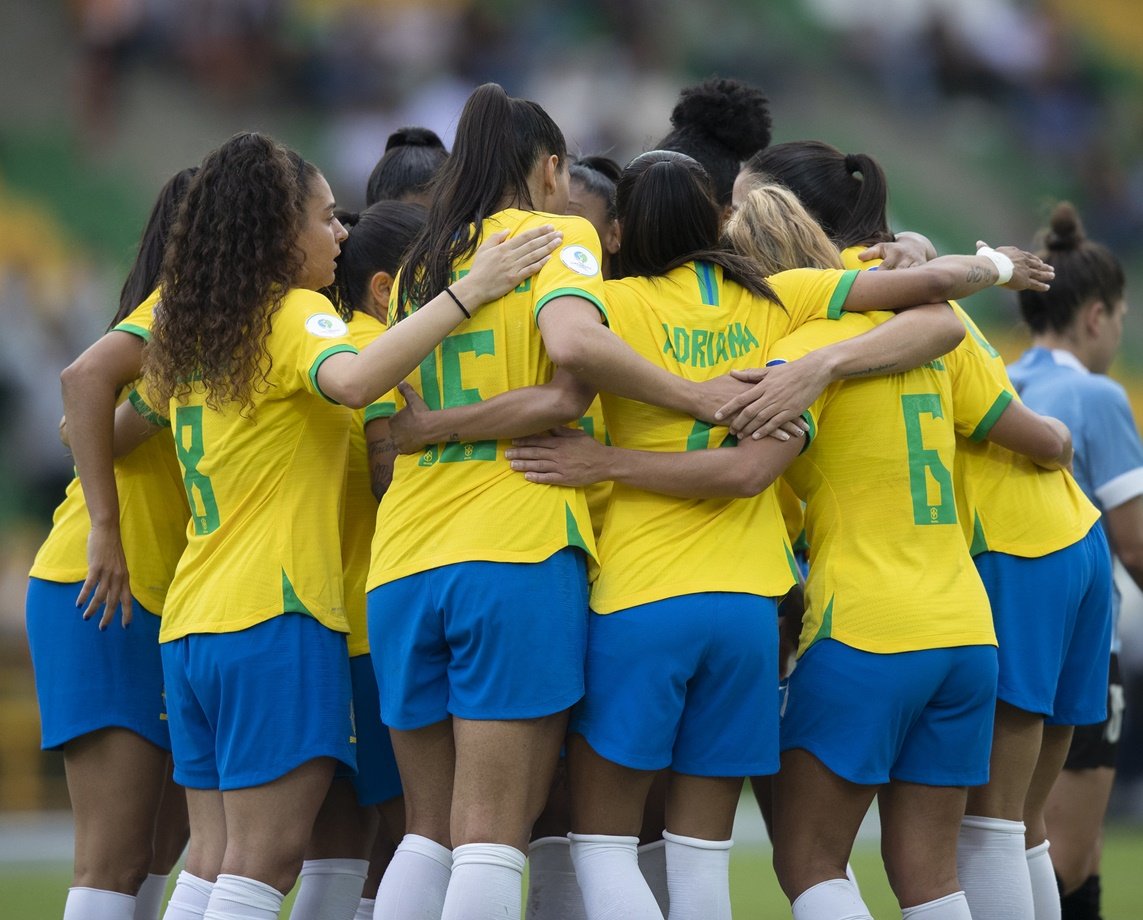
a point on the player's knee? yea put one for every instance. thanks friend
(123, 871)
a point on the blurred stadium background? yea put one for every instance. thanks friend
(983, 112)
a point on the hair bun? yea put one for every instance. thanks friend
(1065, 229)
(347, 218)
(734, 113)
(414, 136)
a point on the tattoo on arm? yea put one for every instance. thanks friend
(872, 371)
(382, 455)
(976, 274)
(453, 438)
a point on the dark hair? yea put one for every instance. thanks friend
(230, 260)
(143, 277)
(668, 218)
(1085, 271)
(378, 239)
(598, 176)
(499, 140)
(719, 123)
(411, 160)
(846, 193)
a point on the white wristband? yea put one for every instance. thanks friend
(1003, 264)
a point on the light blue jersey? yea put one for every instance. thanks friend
(1108, 453)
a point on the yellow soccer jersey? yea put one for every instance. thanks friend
(359, 507)
(265, 488)
(793, 514)
(698, 326)
(152, 510)
(1006, 502)
(889, 568)
(461, 502)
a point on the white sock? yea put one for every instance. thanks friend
(364, 909)
(950, 907)
(97, 904)
(189, 899)
(414, 885)
(834, 899)
(993, 869)
(1045, 891)
(653, 865)
(553, 891)
(149, 897)
(485, 883)
(698, 877)
(237, 898)
(608, 871)
(329, 889)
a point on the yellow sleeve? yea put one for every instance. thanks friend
(311, 331)
(144, 404)
(820, 333)
(574, 268)
(812, 293)
(979, 397)
(138, 321)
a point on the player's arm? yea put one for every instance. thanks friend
(90, 386)
(382, 450)
(1043, 439)
(577, 341)
(944, 278)
(1124, 527)
(512, 414)
(904, 251)
(782, 392)
(500, 264)
(565, 457)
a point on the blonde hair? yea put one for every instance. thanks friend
(772, 228)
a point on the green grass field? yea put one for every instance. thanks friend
(37, 892)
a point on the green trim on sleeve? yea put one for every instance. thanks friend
(380, 410)
(990, 419)
(320, 359)
(837, 299)
(569, 292)
(144, 334)
(811, 434)
(140, 406)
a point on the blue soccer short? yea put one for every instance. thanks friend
(377, 779)
(687, 683)
(920, 717)
(1053, 623)
(480, 640)
(248, 707)
(88, 679)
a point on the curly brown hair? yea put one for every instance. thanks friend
(230, 260)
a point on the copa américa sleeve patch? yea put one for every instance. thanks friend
(580, 260)
(326, 326)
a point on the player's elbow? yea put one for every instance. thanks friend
(570, 352)
(948, 330)
(750, 480)
(1056, 449)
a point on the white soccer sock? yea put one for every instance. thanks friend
(329, 889)
(698, 877)
(1045, 891)
(364, 909)
(653, 865)
(414, 885)
(97, 904)
(608, 871)
(553, 891)
(993, 869)
(149, 897)
(485, 883)
(238, 898)
(833, 899)
(950, 907)
(189, 899)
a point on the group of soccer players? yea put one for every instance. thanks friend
(562, 641)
